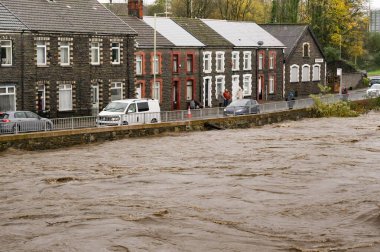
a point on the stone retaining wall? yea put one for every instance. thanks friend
(66, 138)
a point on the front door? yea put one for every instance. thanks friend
(175, 95)
(95, 99)
(207, 92)
(260, 88)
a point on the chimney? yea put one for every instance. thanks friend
(135, 8)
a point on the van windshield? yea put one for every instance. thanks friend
(116, 107)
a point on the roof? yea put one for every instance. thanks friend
(173, 32)
(84, 16)
(145, 37)
(243, 34)
(8, 21)
(289, 34)
(202, 32)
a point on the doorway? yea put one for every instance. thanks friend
(175, 95)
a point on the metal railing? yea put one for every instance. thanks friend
(164, 116)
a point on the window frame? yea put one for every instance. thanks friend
(117, 49)
(272, 60)
(189, 89)
(156, 90)
(307, 75)
(319, 72)
(297, 77)
(65, 87)
(235, 60)
(116, 85)
(222, 84)
(260, 60)
(175, 63)
(139, 62)
(40, 44)
(219, 61)
(247, 86)
(62, 47)
(306, 53)
(95, 50)
(207, 57)
(7, 92)
(247, 61)
(8, 50)
(190, 63)
(271, 84)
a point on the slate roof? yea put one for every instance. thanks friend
(243, 34)
(202, 32)
(173, 32)
(289, 34)
(145, 37)
(8, 21)
(80, 16)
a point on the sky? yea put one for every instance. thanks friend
(375, 4)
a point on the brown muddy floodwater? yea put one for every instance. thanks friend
(310, 185)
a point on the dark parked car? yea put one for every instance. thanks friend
(374, 80)
(23, 121)
(242, 107)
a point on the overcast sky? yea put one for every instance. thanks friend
(375, 4)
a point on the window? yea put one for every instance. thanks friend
(235, 61)
(116, 91)
(219, 86)
(41, 53)
(175, 63)
(305, 73)
(65, 53)
(65, 97)
(95, 53)
(115, 53)
(306, 49)
(189, 90)
(316, 72)
(272, 60)
(247, 61)
(271, 84)
(156, 64)
(207, 62)
(294, 73)
(139, 64)
(247, 84)
(261, 61)
(6, 53)
(143, 106)
(7, 98)
(189, 63)
(220, 62)
(41, 97)
(156, 91)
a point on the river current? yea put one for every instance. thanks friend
(310, 185)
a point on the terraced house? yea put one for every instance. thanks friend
(66, 57)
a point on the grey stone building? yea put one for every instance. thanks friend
(304, 63)
(65, 57)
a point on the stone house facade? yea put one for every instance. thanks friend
(304, 63)
(64, 70)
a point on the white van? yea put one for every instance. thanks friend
(130, 111)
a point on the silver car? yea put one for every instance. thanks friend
(374, 90)
(23, 121)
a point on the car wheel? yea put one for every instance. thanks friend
(49, 126)
(154, 120)
(125, 123)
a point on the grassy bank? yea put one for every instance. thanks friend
(373, 73)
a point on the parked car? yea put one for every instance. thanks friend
(242, 107)
(374, 90)
(130, 111)
(374, 80)
(23, 121)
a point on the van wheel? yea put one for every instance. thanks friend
(154, 120)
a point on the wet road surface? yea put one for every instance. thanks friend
(310, 185)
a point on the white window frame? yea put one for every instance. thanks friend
(261, 61)
(235, 60)
(189, 63)
(271, 60)
(305, 75)
(219, 62)
(41, 48)
(247, 62)
(207, 56)
(316, 74)
(189, 90)
(139, 64)
(64, 46)
(156, 64)
(156, 90)
(296, 77)
(63, 88)
(271, 84)
(9, 90)
(117, 50)
(220, 83)
(247, 84)
(95, 53)
(6, 61)
(117, 86)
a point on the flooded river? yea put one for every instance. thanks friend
(310, 185)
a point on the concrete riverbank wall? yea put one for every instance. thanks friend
(67, 138)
